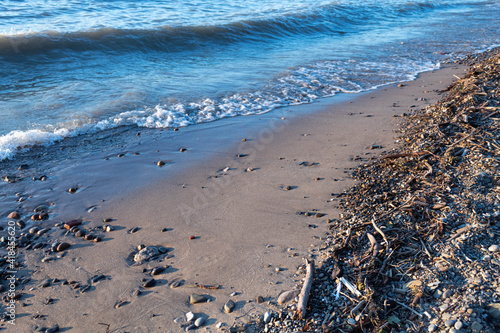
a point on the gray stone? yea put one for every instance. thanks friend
(437, 294)
(447, 293)
(175, 284)
(53, 329)
(162, 249)
(494, 310)
(229, 306)
(287, 296)
(195, 298)
(446, 316)
(432, 328)
(267, 317)
(458, 325)
(44, 283)
(146, 253)
(443, 307)
(476, 327)
(449, 323)
(200, 321)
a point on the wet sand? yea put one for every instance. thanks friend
(242, 211)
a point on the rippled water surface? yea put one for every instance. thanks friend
(69, 67)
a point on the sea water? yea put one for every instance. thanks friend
(70, 67)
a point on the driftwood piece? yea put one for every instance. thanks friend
(306, 288)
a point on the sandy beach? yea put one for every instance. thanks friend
(238, 205)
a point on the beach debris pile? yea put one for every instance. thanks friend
(417, 247)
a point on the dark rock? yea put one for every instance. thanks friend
(71, 224)
(53, 329)
(98, 278)
(134, 230)
(157, 270)
(149, 283)
(62, 247)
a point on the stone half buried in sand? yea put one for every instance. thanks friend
(147, 253)
(287, 296)
(71, 224)
(196, 298)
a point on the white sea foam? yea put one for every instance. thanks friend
(299, 86)
(18, 141)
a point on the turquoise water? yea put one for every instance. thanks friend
(71, 67)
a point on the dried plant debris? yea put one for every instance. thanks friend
(417, 248)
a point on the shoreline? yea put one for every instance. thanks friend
(251, 231)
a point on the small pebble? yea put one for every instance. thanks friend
(175, 284)
(133, 230)
(229, 306)
(432, 328)
(449, 323)
(72, 190)
(14, 216)
(494, 248)
(200, 321)
(195, 298)
(62, 247)
(149, 283)
(157, 270)
(458, 325)
(190, 316)
(260, 299)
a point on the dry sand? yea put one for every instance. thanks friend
(245, 222)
